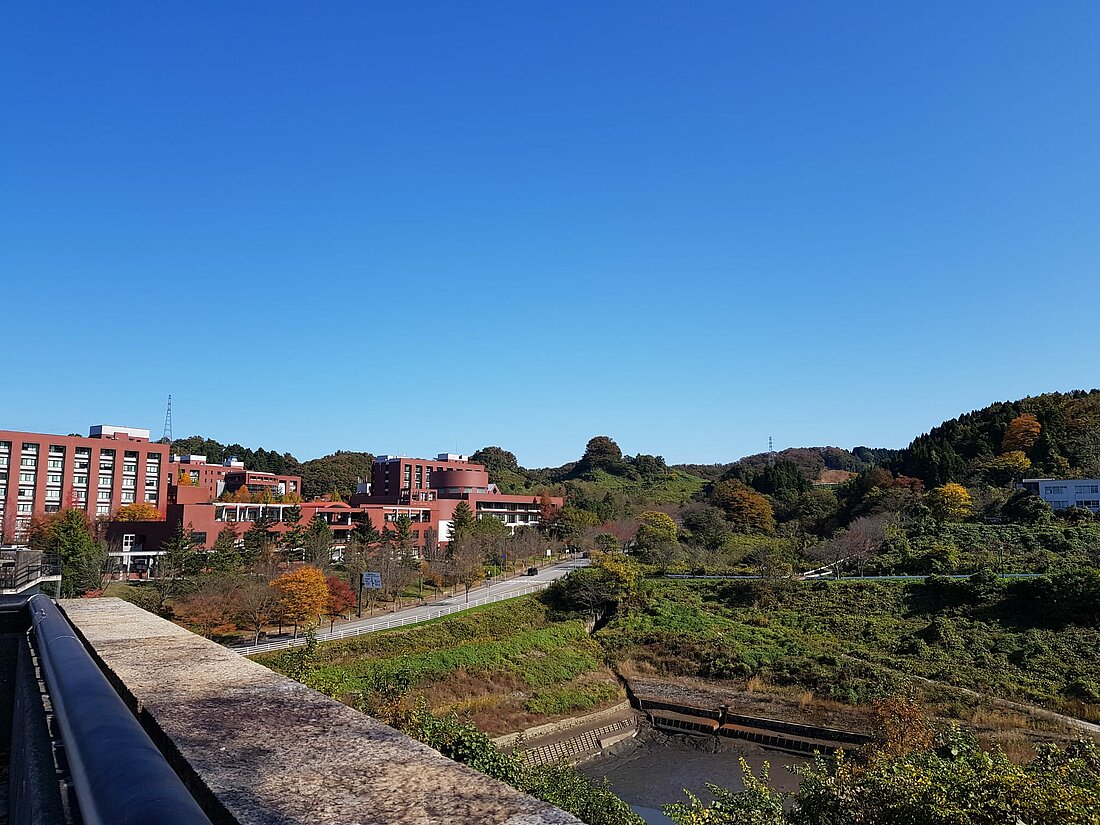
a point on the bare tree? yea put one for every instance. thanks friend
(467, 561)
(256, 606)
(864, 538)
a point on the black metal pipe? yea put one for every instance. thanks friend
(119, 776)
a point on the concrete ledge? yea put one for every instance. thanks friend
(594, 719)
(263, 749)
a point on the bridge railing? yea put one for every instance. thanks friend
(117, 774)
(384, 624)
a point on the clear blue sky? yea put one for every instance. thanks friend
(688, 226)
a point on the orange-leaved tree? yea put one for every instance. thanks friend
(341, 599)
(1021, 433)
(138, 511)
(746, 509)
(303, 594)
(184, 479)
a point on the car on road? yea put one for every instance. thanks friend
(532, 571)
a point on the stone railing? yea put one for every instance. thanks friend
(256, 747)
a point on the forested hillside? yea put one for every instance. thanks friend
(1050, 434)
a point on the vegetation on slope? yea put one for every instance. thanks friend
(1033, 640)
(505, 666)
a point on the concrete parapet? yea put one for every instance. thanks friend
(257, 748)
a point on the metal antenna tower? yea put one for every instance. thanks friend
(167, 436)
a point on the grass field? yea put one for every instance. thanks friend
(505, 666)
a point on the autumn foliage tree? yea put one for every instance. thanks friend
(303, 594)
(138, 511)
(746, 509)
(341, 599)
(1021, 433)
(951, 502)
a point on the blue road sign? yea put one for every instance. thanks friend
(372, 581)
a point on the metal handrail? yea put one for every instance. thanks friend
(345, 633)
(119, 776)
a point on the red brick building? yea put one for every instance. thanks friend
(228, 477)
(42, 473)
(427, 491)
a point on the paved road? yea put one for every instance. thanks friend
(486, 593)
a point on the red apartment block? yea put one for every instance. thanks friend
(42, 473)
(438, 486)
(229, 476)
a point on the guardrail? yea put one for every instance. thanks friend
(118, 775)
(385, 624)
(29, 569)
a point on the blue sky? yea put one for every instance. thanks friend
(415, 227)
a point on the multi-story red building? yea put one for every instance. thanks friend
(229, 476)
(426, 491)
(42, 473)
(431, 490)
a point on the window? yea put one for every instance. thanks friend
(103, 510)
(1055, 490)
(129, 468)
(54, 464)
(53, 478)
(128, 542)
(1087, 488)
(24, 508)
(128, 483)
(1092, 504)
(104, 495)
(3, 461)
(26, 492)
(28, 462)
(1059, 505)
(127, 497)
(26, 478)
(53, 494)
(80, 481)
(81, 495)
(53, 508)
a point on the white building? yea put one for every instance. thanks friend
(1061, 493)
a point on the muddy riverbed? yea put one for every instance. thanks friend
(654, 769)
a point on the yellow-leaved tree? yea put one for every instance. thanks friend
(951, 502)
(138, 511)
(303, 595)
